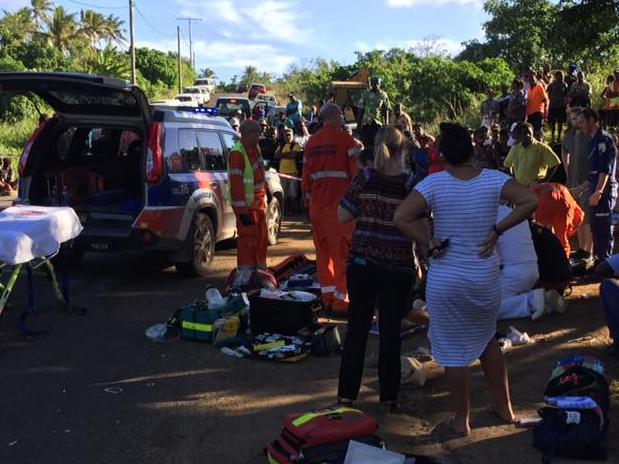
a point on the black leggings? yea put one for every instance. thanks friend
(366, 283)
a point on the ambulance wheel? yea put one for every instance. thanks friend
(201, 243)
(274, 220)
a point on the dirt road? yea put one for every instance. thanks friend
(94, 390)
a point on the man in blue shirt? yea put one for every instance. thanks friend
(294, 109)
(602, 184)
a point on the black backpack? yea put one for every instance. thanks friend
(570, 432)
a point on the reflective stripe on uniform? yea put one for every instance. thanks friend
(256, 165)
(327, 289)
(196, 326)
(239, 204)
(340, 296)
(236, 172)
(305, 418)
(329, 175)
(601, 214)
(354, 151)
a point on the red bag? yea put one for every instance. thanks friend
(320, 435)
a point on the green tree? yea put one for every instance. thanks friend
(41, 10)
(113, 30)
(156, 66)
(93, 26)
(62, 29)
(109, 62)
(207, 72)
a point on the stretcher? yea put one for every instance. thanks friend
(30, 236)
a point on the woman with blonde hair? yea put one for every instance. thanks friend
(380, 267)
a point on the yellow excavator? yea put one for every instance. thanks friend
(346, 93)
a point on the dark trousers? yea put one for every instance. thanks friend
(602, 229)
(609, 296)
(366, 284)
(368, 133)
(536, 120)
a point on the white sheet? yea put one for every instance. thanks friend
(28, 232)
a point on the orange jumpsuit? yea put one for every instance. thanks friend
(330, 164)
(252, 239)
(558, 211)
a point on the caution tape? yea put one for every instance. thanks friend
(286, 176)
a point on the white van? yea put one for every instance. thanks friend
(207, 82)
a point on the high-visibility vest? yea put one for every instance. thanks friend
(248, 175)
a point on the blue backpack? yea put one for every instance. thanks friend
(573, 431)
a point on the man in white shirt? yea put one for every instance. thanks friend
(519, 274)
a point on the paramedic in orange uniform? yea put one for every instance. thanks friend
(330, 165)
(558, 211)
(248, 197)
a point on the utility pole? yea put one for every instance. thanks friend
(191, 57)
(178, 58)
(132, 38)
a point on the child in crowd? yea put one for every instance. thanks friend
(7, 183)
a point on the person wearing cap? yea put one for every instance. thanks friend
(372, 111)
(294, 109)
(247, 196)
(235, 124)
(288, 153)
(330, 165)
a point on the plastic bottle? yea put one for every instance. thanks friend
(214, 298)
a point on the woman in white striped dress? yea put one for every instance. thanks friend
(463, 289)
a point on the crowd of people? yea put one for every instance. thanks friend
(476, 214)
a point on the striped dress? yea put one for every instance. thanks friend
(463, 291)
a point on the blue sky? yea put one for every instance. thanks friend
(273, 34)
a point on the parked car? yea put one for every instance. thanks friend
(271, 100)
(138, 176)
(195, 96)
(228, 106)
(208, 83)
(255, 90)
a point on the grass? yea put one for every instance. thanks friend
(13, 137)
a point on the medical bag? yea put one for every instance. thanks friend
(321, 436)
(281, 316)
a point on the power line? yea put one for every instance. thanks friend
(151, 25)
(99, 6)
(189, 20)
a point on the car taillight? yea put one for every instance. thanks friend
(154, 154)
(25, 154)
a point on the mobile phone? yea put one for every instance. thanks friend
(443, 244)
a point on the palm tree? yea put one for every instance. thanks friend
(109, 62)
(114, 31)
(62, 29)
(16, 27)
(93, 26)
(41, 10)
(207, 72)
